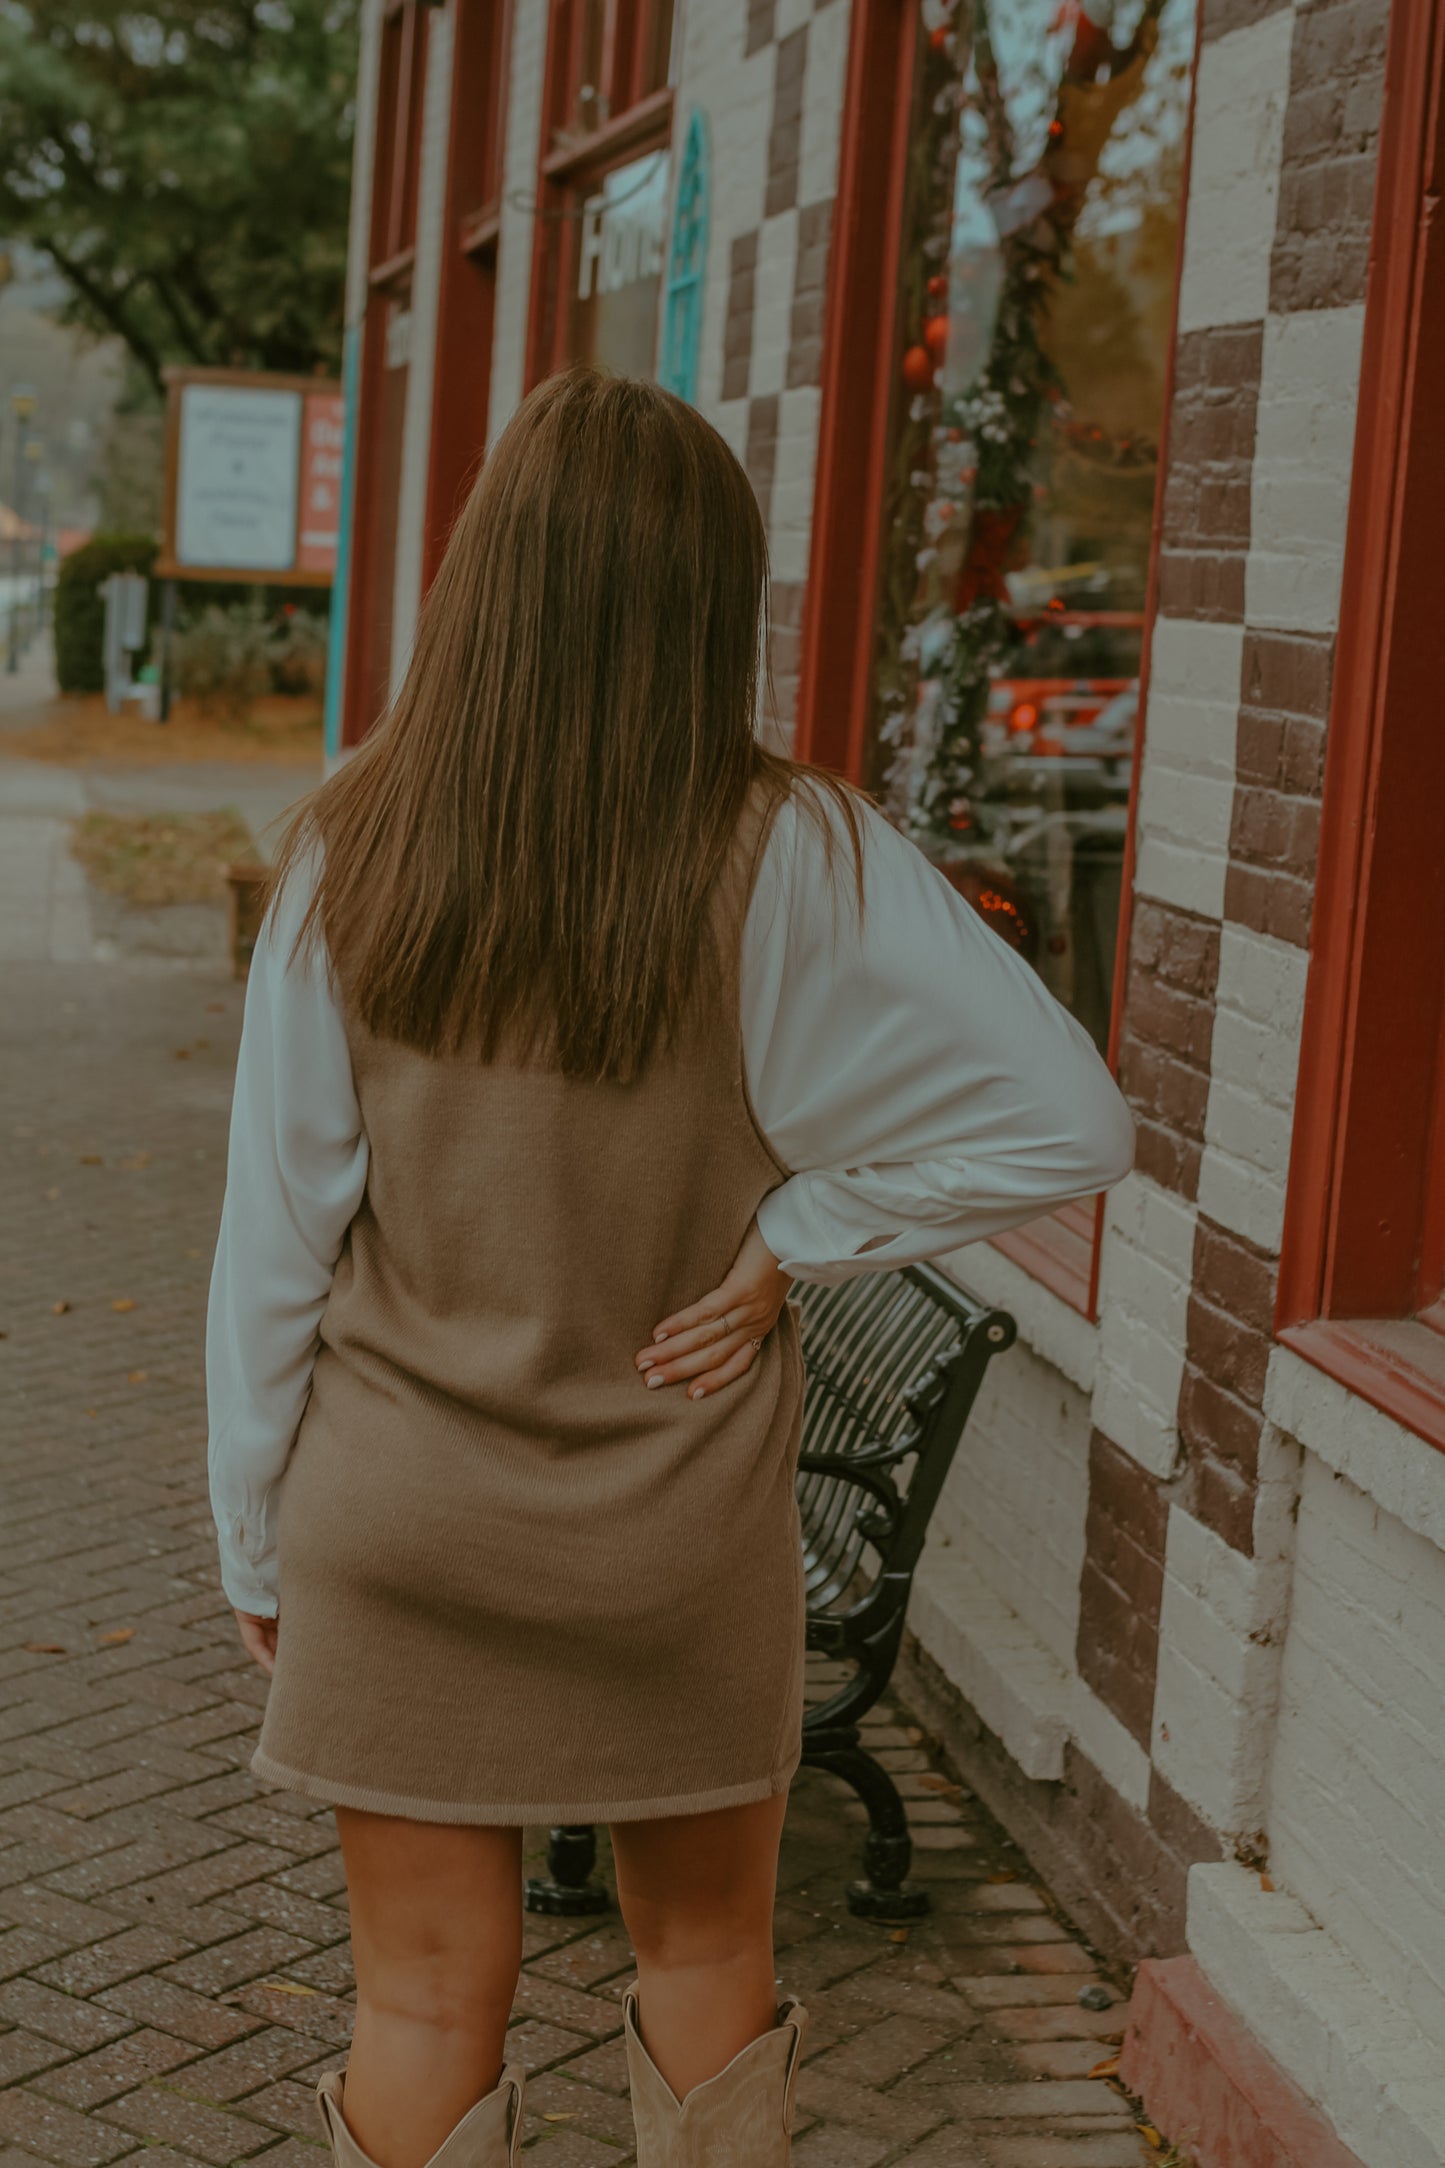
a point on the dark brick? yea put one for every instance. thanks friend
(1230, 1353)
(63, 2018)
(762, 25)
(205, 2133)
(1122, 1585)
(810, 287)
(150, 2001)
(1327, 170)
(761, 451)
(785, 137)
(58, 2134)
(738, 318)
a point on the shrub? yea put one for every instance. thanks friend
(298, 653)
(80, 605)
(222, 659)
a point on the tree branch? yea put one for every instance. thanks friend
(108, 307)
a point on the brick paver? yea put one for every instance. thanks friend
(173, 1959)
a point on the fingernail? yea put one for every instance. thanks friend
(659, 1336)
(696, 1393)
(655, 1379)
(645, 1362)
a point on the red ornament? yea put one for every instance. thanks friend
(938, 285)
(938, 38)
(935, 333)
(918, 368)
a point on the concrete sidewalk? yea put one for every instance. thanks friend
(173, 1937)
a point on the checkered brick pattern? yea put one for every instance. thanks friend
(174, 1971)
(770, 76)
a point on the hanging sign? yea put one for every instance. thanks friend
(253, 477)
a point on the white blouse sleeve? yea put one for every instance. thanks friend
(912, 1069)
(295, 1175)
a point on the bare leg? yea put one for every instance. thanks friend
(436, 1930)
(697, 1895)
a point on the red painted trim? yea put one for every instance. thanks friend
(1058, 1251)
(1398, 1366)
(1207, 2082)
(466, 303)
(838, 612)
(1366, 1115)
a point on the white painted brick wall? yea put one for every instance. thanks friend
(773, 302)
(1258, 1017)
(1221, 1624)
(1391, 1464)
(791, 526)
(735, 92)
(1357, 1786)
(1145, 1269)
(1242, 85)
(421, 366)
(519, 186)
(1016, 1497)
(823, 103)
(1303, 453)
(1186, 789)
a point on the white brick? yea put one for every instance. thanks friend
(1186, 793)
(1015, 1501)
(773, 302)
(1242, 86)
(1372, 2070)
(1380, 1456)
(1221, 1622)
(421, 364)
(735, 92)
(823, 103)
(1357, 1785)
(1145, 1271)
(1003, 1671)
(791, 522)
(1249, 1118)
(1303, 454)
(1114, 1752)
(519, 188)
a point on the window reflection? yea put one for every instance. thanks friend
(1037, 275)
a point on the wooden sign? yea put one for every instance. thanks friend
(253, 477)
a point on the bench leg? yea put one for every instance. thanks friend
(885, 1892)
(569, 1888)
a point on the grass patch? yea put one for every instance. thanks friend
(156, 858)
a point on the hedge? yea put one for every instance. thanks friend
(80, 605)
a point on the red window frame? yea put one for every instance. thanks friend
(1364, 1243)
(466, 304)
(588, 127)
(834, 690)
(390, 258)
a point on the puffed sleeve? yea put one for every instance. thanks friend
(907, 1064)
(295, 1175)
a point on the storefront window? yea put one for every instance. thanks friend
(604, 185)
(620, 234)
(1037, 267)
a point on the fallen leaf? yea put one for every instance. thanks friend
(183, 1053)
(288, 1987)
(1265, 1883)
(1150, 2135)
(899, 1934)
(1108, 2068)
(92, 1413)
(136, 1377)
(92, 1159)
(58, 1309)
(558, 2115)
(201, 1045)
(933, 1783)
(114, 1640)
(46, 1648)
(1005, 1874)
(123, 1303)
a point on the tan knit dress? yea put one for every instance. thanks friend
(515, 1585)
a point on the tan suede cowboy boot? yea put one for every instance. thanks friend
(487, 2136)
(742, 2118)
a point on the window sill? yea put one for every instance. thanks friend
(1058, 1252)
(1397, 1365)
(579, 158)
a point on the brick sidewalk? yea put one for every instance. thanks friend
(173, 1936)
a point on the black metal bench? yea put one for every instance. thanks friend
(894, 1362)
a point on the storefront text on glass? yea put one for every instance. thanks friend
(620, 249)
(1041, 228)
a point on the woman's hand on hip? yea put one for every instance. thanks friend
(715, 1341)
(258, 1639)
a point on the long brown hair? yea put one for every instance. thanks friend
(525, 848)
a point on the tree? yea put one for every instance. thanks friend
(186, 165)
